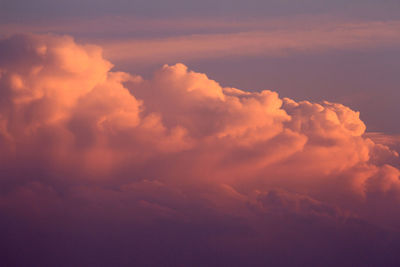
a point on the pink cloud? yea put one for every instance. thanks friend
(79, 140)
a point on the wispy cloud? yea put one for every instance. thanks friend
(176, 40)
(273, 42)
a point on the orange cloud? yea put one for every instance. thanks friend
(52, 85)
(78, 137)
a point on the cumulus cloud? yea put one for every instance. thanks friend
(182, 158)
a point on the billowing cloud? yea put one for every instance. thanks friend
(99, 164)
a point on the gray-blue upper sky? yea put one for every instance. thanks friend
(17, 10)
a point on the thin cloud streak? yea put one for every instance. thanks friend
(123, 25)
(256, 43)
(187, 39)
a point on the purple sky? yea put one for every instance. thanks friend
(199, 133)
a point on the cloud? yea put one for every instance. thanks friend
(275, 41)
(154, 165)
(127, 39)
(385, 139)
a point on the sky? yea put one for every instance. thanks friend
(199, 133)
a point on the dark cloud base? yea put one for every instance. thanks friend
(284, 241)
